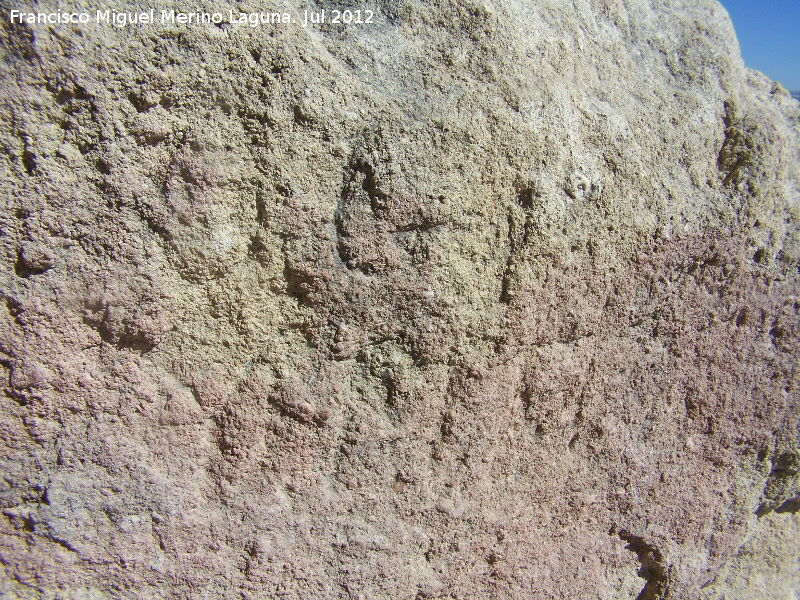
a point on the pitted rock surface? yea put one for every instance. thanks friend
(482, 300)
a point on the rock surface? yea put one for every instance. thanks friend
(480, 300)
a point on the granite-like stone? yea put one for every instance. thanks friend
(479, 300)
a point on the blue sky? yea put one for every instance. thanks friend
(769, 34)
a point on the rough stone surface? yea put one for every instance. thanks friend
(482, 300)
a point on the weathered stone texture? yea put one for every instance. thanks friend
(483, 300)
